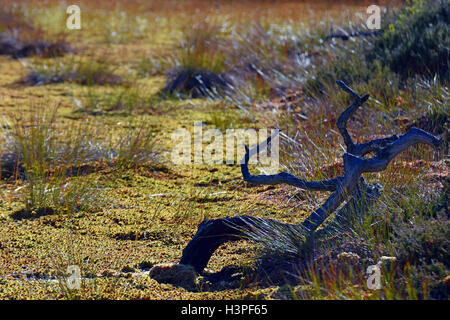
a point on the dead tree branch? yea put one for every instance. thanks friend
(359, 149)
(350, 187)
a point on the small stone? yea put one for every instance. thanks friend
(176, 274)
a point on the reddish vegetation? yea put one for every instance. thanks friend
(20, 39)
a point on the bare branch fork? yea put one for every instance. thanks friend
(350, 187)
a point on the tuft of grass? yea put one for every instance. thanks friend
(327, 269)
(195, 83)
(77, 70)
(136, 147)
(201, 47)
(20, 39)
(235, 63)
(199, 63)
(48, 159)
(433, 115)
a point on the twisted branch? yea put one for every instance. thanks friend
(350, 187)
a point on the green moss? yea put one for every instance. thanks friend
(149, 210)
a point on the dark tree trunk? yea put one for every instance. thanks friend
(213, 233)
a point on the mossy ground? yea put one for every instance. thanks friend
(145, 215)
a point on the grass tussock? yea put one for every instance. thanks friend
(51, 160)
(413, 262)
(199, 63)
(216, 61)
(76, 70)
(195, 83)
(137, 146)
(20, 39)
(46, 159)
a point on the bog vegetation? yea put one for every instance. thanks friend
(87, 117)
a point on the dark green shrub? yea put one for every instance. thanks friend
(415, 40)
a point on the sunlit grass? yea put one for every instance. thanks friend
(100, 160)
(73, 69)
